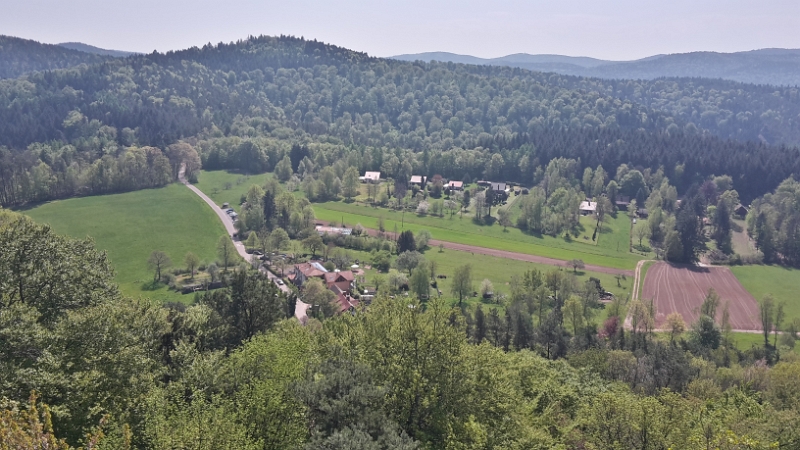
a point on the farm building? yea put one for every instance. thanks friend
(740, 210)
(588, 208)
(371, 177)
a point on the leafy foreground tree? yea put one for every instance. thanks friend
(50, 273)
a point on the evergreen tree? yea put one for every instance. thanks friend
(722, 228)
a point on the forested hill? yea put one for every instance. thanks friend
(285, 90)
(81, 47)
(21, 56)
(774, 66)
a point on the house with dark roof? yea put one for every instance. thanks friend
(622, 202)
(343, 280)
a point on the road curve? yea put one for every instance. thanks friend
(300, 307)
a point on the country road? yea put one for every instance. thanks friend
(300, 307)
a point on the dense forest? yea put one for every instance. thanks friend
(263, 94)
(22, 56)
(81, 365)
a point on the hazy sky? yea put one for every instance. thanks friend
(610, 29)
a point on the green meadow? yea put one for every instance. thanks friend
(130, 226)
(781, 282)
(228, 187)
(611, 249)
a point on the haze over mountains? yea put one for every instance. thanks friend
(766, 66)
(81, 47)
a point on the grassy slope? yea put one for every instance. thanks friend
(782, 283)
(208, 181)
(464, 231)
(130, 226)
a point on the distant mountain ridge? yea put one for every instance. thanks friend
(20, 56)
(773, 66)
(86, 48)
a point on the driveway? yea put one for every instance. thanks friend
(300, 307)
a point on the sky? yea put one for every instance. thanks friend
(606, 29)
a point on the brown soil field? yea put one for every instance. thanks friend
(679, 288)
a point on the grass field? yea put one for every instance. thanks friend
(780, 282)
(614, 236)
(130, 226)
(213, 184)
(741, 243)
(609, 250)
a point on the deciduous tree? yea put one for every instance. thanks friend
(157, 262)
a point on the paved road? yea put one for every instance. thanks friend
(510, 255)
(300, 307)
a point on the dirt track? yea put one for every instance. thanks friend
(676, 288)
(512, 255)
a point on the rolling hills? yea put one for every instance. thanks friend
(774, 66)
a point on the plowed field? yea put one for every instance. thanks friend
(676, 288)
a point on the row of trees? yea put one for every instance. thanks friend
(774, 223)
(51, 171)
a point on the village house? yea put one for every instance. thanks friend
(342, 283)
(303, 272)
(499, 190)
(622, 202)
(418, 180)
(371, 177)
(588, 208)
(456, 185)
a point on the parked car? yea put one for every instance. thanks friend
(279, 281)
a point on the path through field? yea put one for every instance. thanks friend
(680, 288)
